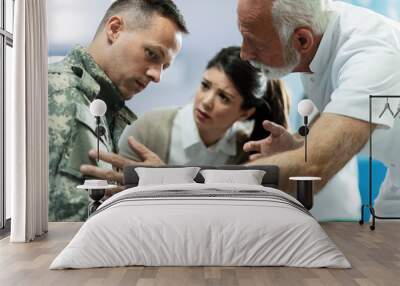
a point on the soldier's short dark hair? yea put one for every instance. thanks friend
(141, 11)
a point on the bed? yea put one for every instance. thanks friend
(201, 224)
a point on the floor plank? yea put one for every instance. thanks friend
(374, 255)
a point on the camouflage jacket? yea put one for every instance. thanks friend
(73, 84)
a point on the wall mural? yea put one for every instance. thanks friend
(206, 64)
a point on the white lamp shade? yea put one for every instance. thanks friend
(305, 107)
(98, 107)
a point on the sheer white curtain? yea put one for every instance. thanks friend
(26, 123)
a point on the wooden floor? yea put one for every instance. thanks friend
(375, 257)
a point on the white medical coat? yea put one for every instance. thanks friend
(359, 55)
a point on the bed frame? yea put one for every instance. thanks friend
(270, 179)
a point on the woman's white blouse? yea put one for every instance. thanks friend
(187, 147)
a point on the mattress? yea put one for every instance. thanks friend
(201, 225)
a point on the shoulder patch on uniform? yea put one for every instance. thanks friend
(61, 77)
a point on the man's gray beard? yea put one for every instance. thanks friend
(292, 60)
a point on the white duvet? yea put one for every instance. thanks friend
(203, 231)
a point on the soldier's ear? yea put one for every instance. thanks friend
(113, 27)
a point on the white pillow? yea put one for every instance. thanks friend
(163, 176)
(248, 177)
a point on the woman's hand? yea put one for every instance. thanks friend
(148, 157)
(119, 162)
(278, 141)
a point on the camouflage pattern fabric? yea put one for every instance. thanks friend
(73, 84)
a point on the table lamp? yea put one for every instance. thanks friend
(97, 188)
(305, 108)
(305, 193)
(98, 108)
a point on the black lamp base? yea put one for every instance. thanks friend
(305, 193)
(96, 195)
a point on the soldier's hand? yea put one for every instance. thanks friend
(279, 140)
(119, 162)
(115, 174)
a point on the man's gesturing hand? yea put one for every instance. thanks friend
(279, 140)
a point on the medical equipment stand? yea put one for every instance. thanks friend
(370, 206)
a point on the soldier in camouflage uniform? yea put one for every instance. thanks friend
(73, 84)
(135, 41)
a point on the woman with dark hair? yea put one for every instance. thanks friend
(233, 100)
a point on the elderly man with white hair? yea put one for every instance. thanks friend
(344, 54)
